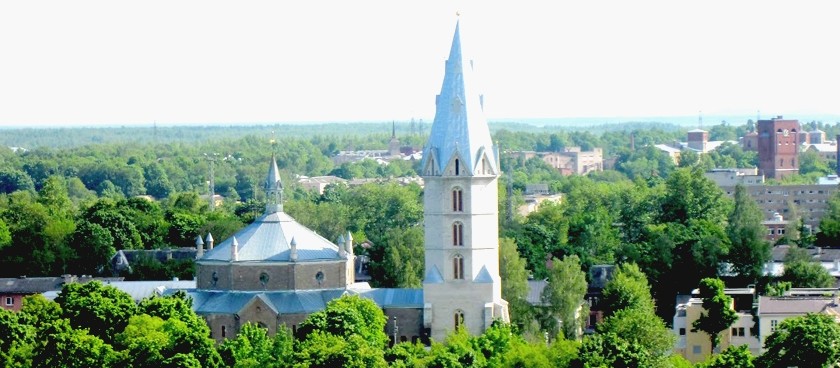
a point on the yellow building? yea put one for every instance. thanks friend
(695, 346)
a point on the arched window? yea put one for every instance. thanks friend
(459, 318)
(458, 234)
(457, 200)
(224, 331)
(457, 166)
(458, 267)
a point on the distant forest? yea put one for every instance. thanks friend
(31, 138)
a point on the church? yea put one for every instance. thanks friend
(275, 271)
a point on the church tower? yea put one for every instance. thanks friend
(461, 286)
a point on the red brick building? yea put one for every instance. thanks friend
(778, 147)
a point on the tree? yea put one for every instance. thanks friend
(64, 346)
(564, 296)
(807, 274)
(807, 341)
(749, 250)
(718, 314)
(640, 327)
(732, 357)
(324, 350)
(13, 180)
(93, 246)
(347, 316)
(830, 223)
(610, 350)
(103, 310)
(628, 289)
(252, 347)
(514, 282)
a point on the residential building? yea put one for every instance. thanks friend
(13, 290)
(810, 200)
(571, 160)
(773, 310)
(121, 262)
(695, 346)
(829, 258)
(775, 227)
(318, 183)
(733, 177)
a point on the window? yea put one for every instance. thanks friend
(695, 349)
(781, 162)
(773, 324)
(10, 301)
(224, 331)
(459, 318)
(457, 200)
(738, 331)
(682, 331)
(264, 279)
(458, 234)
(457, 166)
(458, 267)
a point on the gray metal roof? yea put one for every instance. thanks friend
(795, 305)
(268, 239)
(460, 125)
(297, 301)
(38, 285)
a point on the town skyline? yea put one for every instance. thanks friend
(103, 64)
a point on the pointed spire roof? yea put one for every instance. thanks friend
(272, 181)
(273, 188)
(460, 125)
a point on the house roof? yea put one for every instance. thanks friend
(795, 305)
(38, 285)
(817, 253)
(268, 239)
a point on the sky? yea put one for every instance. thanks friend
(167, 62)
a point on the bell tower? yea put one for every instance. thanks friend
(461, 286)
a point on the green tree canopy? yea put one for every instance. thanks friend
(807, 341)
(102, 310)
(628, 288)
(749, 250)
(564, 295)
(717, 313)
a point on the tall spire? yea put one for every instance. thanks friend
(273, 188)
(460, 127)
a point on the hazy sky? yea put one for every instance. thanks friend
(119, 62)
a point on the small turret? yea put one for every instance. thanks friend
(199, 247)
(293, 251)
(348, 243)
(234, 250)
(209, 241)
(341, 251)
